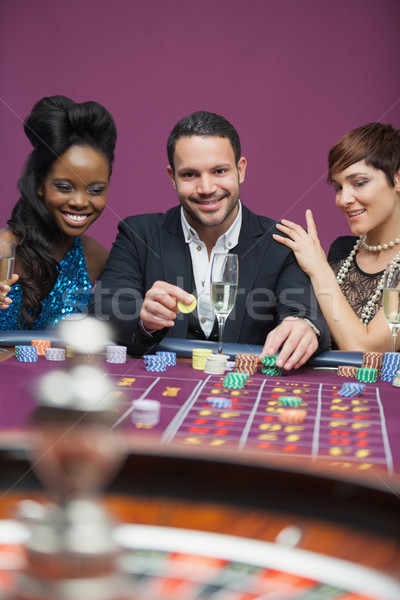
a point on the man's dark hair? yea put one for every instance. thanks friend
(204, 124)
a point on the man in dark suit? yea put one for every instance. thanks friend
(158, 258)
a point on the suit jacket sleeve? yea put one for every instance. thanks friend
(132, 268)
(295, 297)
(271, 286)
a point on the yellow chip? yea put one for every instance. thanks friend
(188, 308)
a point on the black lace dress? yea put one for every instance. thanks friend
(357, 286)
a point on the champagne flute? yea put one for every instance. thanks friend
(391, 299)
(7, 259)
(224, 281)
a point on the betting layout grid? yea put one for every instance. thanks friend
(345, 431)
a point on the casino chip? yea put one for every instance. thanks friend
(349, 390)
(116, 354)
(146, 413)
(170, 357)
(215, 364)
(235, 381)
(368, 375)
(41, 345)
(293, 401)
(219, 401)
(26, 354)
(390, 366)
(154, 363)
(347, 371)
(55, 354)
(373, 360)
(199, 357)
(246, 363)
(272, 371)
(269, 360)
(188, 308)
(292, 415)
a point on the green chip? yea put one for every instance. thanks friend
(269, 360)
(293, 401)
(273, 371)
(235, 381)
(366, 374)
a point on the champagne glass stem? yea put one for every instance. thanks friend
(221, 326)
(394, 330)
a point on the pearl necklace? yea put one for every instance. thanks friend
(379, 247)
(366, 313)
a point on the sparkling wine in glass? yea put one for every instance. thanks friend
(391, 300)
(224, 282)
(7, 259)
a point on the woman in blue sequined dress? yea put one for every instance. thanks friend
(63, 189)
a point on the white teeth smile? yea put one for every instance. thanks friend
(77, 218)
(355, 213)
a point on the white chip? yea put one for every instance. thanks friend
(146, 412)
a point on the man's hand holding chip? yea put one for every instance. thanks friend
(160, 305)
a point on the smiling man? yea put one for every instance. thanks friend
(159, 259)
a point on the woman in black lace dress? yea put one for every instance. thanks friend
(364, 169)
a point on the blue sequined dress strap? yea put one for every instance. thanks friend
(70, 294)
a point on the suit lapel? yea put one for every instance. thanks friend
(252, 245)
(175, 257)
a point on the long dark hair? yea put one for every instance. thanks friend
(55, 124)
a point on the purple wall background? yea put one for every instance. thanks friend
(292, 75)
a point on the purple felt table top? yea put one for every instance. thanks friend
(360, 433)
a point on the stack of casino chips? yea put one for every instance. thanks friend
(291, 411)
(170, 357)
(219, 401)
(269, 366)
(390, 366)
(55, 354)
(154, 363)
(292, 415)
(292, 401)
(246, 363)
(366, 374)
(199, 357)
(235, 381)
(215, 364)
(26, 353)
(146, 412)
(347, 371)
(41, 346)
(349, 390)
(373, 360)
(116, 354)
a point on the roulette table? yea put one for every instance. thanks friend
(231, 503)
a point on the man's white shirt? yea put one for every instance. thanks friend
(201, 265)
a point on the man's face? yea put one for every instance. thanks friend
(207, 181)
